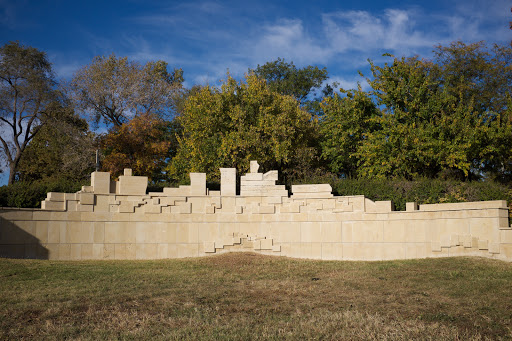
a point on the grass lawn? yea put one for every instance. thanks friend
(249, 296)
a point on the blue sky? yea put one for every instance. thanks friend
(205, 38)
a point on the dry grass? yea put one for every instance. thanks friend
(248, 296)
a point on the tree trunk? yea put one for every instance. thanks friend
(12, 173)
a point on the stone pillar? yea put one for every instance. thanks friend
(228, 181)
(100, 182)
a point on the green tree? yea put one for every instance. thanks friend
(239, 122)
(425, 129)
(345, 125)
(287, 79)
(477, 73)
(26, 90)
(114, 89)
(64, 148)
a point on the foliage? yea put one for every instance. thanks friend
(115, 89)
(345, 125)
(477, 73)
(449, 117)
(63, 148)
(26, 90)
(144, 144)
(239, 122)
(286, 79)
(27, 194)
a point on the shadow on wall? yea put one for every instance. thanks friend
(18, 243)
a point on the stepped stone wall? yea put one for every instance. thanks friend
(119, 220)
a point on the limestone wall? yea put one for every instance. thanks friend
(119, 220)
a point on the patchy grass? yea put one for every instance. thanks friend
(248, 296)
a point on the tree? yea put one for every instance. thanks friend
(144, 144)
(115, 89)
(239, 122)
(477, 73)
(64, 148)
(345, 125)
(286, 79)
(426, 129)
(26, 90)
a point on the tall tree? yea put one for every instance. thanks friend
(477, 73)
(26, 90)
(345, 125)
(427, 128)
(64, 148)
(239, 122)
(115, 89)
(285, 78)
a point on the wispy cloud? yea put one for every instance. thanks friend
(206, 38)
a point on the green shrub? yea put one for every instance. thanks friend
(30, 194)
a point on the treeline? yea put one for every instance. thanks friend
(446, 118)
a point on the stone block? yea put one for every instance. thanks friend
(446, 240)
(467, 241)
(187, 250)
(313, 195)
(182, 191)
(271, 175)
(254, 166)
(392, 251)
(56, 196)
(132, 185)
(64, 252)
(185, 208)
(265, 209)
(494, 248)
(455, 240)
(394, 231)
(152, 209)
(367, 231)
(251, 176)
(146, 251)
(261, 183)
(264, 192)
(266, 244)
(228, 181)
(331, 232)
(162, 250)
(86, 198)
(126, 207)
(84, 208)
(53, 205)
(87, 189)
(76, 252)
(436, 246)
(483, 245)
(311, 188)
(293, 207)
(378, 206)
(276, 248)
(464, 206)
(100, 181)
(310, 232)
(411, 206)
(197, 184)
